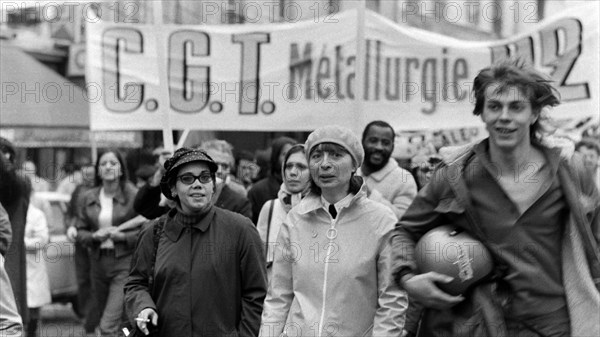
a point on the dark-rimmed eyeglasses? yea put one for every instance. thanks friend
(188, 178)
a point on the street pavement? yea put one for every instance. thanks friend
(59, 320)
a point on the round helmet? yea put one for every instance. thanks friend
(453, 252)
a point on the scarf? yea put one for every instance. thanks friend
(289, 200)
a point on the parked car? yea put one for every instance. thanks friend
(59, 253)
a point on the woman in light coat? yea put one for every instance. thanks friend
(295, 186)
(38, 284)
(331, 267)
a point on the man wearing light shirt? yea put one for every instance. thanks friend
(387, 182)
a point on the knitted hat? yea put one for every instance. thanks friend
(182, 156)
(337, 135)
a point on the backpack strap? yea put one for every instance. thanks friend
(269, 226)
(157, 231)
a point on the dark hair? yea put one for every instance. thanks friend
(589, 143)
(276, 148)
(380, 124)
(7, 147)
(294, 149)
(515, 73)
(145, 171)
(124, 175)
(355, 181)
(243, 155)
(13, 187)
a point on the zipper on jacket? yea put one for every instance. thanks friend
(329, 247)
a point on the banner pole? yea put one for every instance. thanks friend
(359, 85)
(94, 146)
(167, 131)
(77, 29)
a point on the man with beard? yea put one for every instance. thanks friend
(14, 197)
(387, 182)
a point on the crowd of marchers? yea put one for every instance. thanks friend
(323, 242)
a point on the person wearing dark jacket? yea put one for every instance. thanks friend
(105, 207)
(5, 231)
(86, 308)
(529, 202)
(267, 188)
(11, 323)
(14, 196)
(206, 264)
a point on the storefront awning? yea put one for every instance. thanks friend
(33, 95)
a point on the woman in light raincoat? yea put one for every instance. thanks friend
(331, 267)
(295, 186)
(38, 284)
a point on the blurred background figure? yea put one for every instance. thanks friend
(5, 231)
(161, 154)
(222, 153)
(87, 310)
(105, 207)
(73, 177)
(423, 167)
(590, 150)
(296, 179)
(149, 202)
(14, 198)
(262, 159)
(70, 181)
(38, 285)
(268, 187)
(246, 169)
(144, 174)
(228, 194)
(29, 170)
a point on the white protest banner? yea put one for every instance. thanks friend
(301, 76)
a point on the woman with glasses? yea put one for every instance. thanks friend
(331, 271)
(198, 270)
(104, 207)
(295, 186)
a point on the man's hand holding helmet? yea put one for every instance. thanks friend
(422, 288)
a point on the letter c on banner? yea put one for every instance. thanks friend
(117, 43)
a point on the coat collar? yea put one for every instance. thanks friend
(312, 201)
(459, 159)
(381, 174)
(553, 155)
(175, 223)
